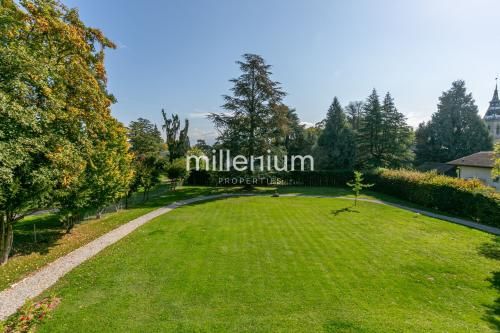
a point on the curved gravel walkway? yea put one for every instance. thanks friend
(17, 294)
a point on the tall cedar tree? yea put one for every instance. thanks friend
(454, 131)
(248, 127)
(58, 140)
(336, 147)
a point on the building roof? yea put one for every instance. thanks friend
(483, 159)
(440, 168)
(494, 108)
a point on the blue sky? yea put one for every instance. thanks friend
(179, 55)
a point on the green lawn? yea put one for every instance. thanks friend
(289, 264)
(53, 242)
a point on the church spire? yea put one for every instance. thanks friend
(495, 94)
(494, 109)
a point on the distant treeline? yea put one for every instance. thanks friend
(60, 147)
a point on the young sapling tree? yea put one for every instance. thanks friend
(357, 185)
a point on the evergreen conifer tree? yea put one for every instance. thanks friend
(370, 133)
(397, 136)
(336, 147)
(455, 130)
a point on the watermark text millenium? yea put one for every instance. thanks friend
(223, 161)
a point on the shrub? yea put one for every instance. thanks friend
(177, 171)
(468, 198)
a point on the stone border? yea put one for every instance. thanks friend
(17, 294)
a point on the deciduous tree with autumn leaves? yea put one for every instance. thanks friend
(59, 144)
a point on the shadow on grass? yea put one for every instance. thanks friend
(49, 230)
(342, 326)
(348, 209)
(164, 196)
(234, 194)
(36, 234)
(492, 251)
(315, 190)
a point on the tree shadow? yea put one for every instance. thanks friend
(37, 234)
(49, 230)
(348, 209)
(493, 310)
(162, 195)
(492, 251)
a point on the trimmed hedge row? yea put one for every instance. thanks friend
(467, 198)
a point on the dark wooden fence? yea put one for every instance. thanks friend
(292, 178)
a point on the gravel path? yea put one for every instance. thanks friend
(16, 295)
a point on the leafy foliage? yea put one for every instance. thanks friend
(177, 139)
(354, 112)
(30, 315)
(357, 185)
(148, 149)
(496, 167)
(336, 147)
(397, 136)
(384, 138)
(463, 197)
(56, 129)
(145, 138)
(177, 170)
(455, 130)
(252, 121)
(203, 146)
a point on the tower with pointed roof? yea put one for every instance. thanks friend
(492, 116)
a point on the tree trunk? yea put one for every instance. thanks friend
(69, 223)
(6, 239)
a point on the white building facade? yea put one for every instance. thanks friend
(478, 166)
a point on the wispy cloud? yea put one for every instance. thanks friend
(307, 124)
(198, 114)
(416, 117)
(203, 114)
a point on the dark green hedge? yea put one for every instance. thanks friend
(467, 198)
